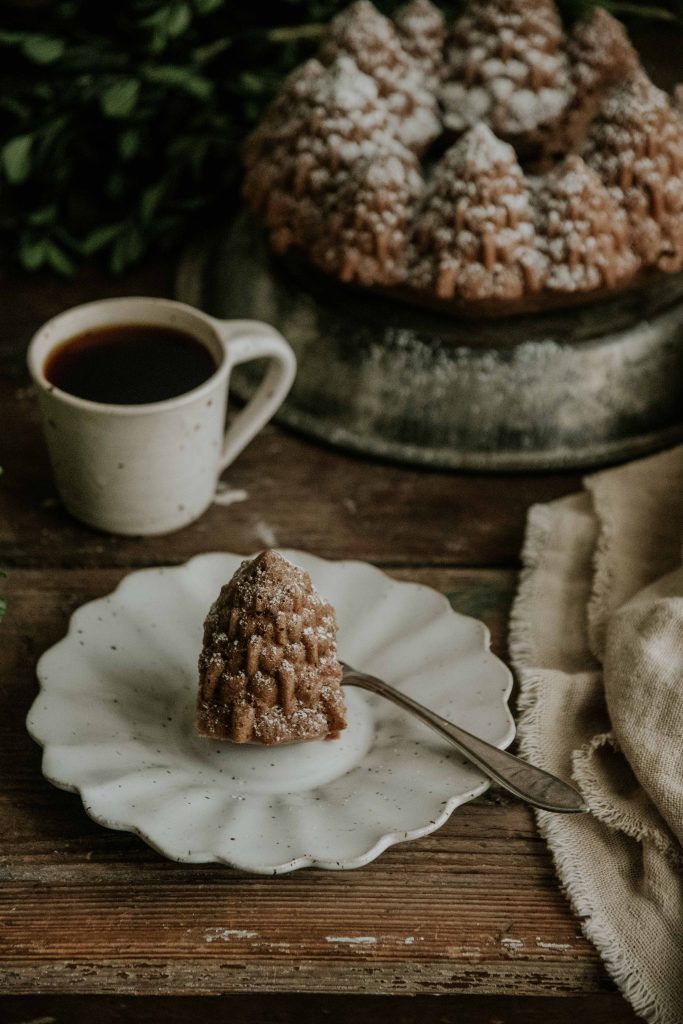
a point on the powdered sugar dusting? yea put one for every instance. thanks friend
(582, 231)
(268, 669)
(475, 234)
(505, 64)
(422, 31)
(636, 147)
(362, 33)
(333, 168)
(228, 496)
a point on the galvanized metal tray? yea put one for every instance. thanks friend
(580, 387)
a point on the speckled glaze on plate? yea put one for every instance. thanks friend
(115, 714)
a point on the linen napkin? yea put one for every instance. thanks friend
(597, 641)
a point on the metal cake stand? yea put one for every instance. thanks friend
(580, 387)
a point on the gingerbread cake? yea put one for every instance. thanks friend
(495, 165)
(268, 670)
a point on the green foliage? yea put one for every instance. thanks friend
(120, 124)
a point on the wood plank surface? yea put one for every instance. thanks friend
(473, 908)
(299, 494)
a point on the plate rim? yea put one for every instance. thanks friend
(385, 841)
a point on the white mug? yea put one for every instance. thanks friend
(150, 469)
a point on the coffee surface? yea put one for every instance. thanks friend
(129, 364)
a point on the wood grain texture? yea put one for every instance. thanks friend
(299, 495)
(472, 908)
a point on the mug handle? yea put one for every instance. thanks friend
(245, 340)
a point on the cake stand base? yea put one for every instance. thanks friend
(580, 387)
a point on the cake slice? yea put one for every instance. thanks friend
(268, 670)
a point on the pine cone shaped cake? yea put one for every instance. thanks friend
(371, 40)
(367, 221)
(600, 55)
(475, 234)
(506, 66)
(338, 170)
(636, 146)
(268, 670)
(582, 232)
(287, 115)
(328, 119)
(422, 31)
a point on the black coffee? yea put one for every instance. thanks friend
(129, 364)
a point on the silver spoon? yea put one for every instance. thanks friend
(531, 784)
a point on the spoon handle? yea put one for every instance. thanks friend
(531, 784)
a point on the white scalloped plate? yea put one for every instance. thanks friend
(115, 715)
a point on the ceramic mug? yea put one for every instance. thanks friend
(150, 469)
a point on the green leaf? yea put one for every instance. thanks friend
(99, 238)
(170, 18)
(119, 255)
(57, 259)
(32, 253)
(136, 245)
(150, 200)
(11, 38)
(252, 83)
(205, 54)
(15, 107)
(42, 49)
(3, 608)
(128, 248)
(179, 18)
(45, 215)
(640, 10)
(203, 7)
(16, 158)
(180, 78)
(119, 99)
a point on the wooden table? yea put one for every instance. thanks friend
(92, 920)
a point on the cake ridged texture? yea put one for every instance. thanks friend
(333, 169)
(308, 148)
(372, 42)
(600, 56)
(506, 66)
(268, 670)
(475, 233)
(583, 233)
(422, 30)
(367, 221)
(636, 146)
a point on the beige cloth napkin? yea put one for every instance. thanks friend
(597, 641)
